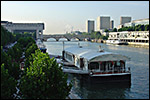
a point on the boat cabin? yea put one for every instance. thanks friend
(97, 61)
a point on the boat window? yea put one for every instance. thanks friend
(68, 56)
(117, 66)
(94, 65)
(122, 64)
(81, 63)
(118, 63)
(110, 64)
(78, 61)
(103, 66)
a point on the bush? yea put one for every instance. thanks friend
(44, 79)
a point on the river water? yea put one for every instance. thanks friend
(139, 66)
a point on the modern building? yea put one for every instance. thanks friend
(111, 24)
(124, 20)
(90, 26)
(103, 22)
(137, 22)
(24, 27)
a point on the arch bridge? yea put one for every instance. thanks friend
(68, 37)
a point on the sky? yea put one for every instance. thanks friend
(61, 16)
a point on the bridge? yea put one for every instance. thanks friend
(66, 36)
(38, 29)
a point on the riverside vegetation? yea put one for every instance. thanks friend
(41, 78)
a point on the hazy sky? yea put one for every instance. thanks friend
(62, 16)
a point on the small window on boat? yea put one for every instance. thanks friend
(68, 56)
(103, 66)
(81, 63)
(109, 65)
(119, 66)
(78, 61)
(118, 63)
(94, 65)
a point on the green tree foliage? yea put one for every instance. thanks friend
(30, 50)
(5, 58)
(106, 30)
(8, 84)
(25, 41)
(104, 37)
(25, 34)
(146, 27)
(12, 52)
(135, 28)
(44, 79)
(6, 37)
(13, 67)
(115, 30)
(95, 35)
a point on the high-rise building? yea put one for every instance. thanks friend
(103, 22)
(111, 24)
(89, 26)
(124, 20)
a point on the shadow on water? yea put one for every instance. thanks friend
(100, 90)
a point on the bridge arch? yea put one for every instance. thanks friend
(68, 37)
(51, 39)
(74, 39)
(63, 39)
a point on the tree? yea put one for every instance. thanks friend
(146, 28)
(106, 30)
(115, 30)
(25, 41)
(30, 50)
(8, 84)
(13, 67)
(12, 52)
(6, 37)
(44, 79)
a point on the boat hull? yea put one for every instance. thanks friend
(124, 78)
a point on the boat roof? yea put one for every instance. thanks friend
(95, 55)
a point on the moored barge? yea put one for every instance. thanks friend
(97, 66)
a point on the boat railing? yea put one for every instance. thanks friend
(109, 71)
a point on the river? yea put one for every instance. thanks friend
(139, 65)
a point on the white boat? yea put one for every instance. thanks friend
(117, 42)
(97, 66)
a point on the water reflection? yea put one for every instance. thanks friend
(99, 91)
